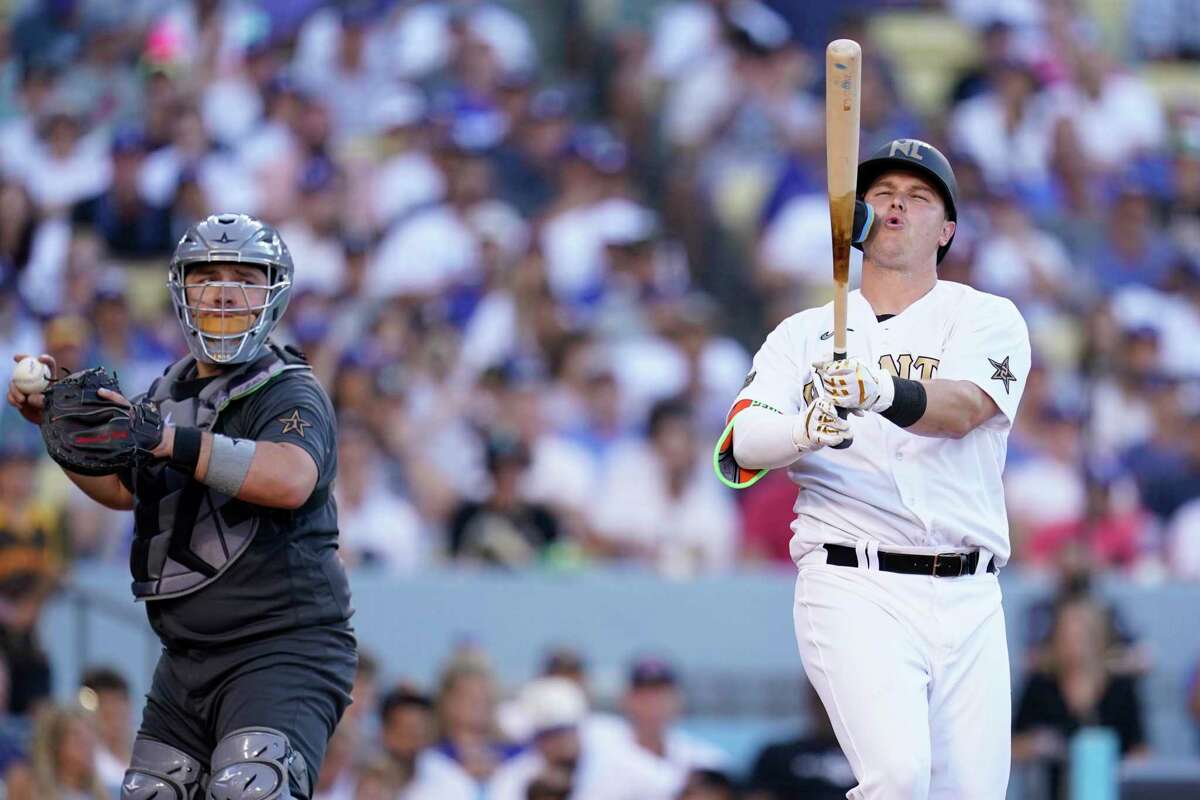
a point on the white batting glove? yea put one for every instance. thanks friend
(854, 385)
(820, 426)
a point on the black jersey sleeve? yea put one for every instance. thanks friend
(295, 409)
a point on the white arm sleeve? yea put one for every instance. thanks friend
(763, 439)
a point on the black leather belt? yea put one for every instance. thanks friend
(942, 565)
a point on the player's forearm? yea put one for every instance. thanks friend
(280, 475)
(107, 490)
(953, 409)
(270, 474)
(763, 439)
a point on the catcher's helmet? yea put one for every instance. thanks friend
(924, 159)
(214, 335)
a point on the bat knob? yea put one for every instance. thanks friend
(843, 413)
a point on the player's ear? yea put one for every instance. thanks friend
(947, 232)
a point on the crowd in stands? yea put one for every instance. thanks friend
(536, 245)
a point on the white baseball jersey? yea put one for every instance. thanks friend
(904, 491)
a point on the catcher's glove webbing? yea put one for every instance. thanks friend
(92, 435)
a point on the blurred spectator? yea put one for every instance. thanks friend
(708, 784)
(407, 724)
(652, 706)
(130, 226)
(364, 701)
(34, 551)
(1075, 686)
(547, 713)
(1134, 249)
(376, 526)
(1011, 118)
(68, 163)
(50, 32)
(338, 779)
(811, 766)
(657, 501)
(503, 529)
(32, 249)
(62, 759)
(314, 234)
(405, 177)
(105, 693)
(466, 709)
(14, 734)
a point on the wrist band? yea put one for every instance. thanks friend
(909, 403)
(185, 450)
(229, 463)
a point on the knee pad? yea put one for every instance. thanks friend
(257, 764)
(158, 771)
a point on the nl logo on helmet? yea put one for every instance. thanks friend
(909, 148)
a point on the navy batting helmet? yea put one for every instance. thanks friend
(922, 158)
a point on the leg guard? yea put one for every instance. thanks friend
(160, 772)
(257, 764)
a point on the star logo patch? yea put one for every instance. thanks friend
(294, 424)
(1002, 373)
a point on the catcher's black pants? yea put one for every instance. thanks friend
(297, 682)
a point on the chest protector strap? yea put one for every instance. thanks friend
(187, 535)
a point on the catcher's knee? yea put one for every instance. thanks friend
(257, 764)
(158, 771)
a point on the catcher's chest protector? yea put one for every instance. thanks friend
(185, 534)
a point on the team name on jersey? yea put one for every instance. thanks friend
(901, 366)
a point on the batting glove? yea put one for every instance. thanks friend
(820, 426)
(853, 385)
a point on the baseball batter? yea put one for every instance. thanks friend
(898, 538)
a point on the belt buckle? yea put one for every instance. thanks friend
(938, 558)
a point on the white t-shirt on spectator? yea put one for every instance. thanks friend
(421, 41)
(691, 533)
(439, 778)
(1008, 267)
(796, 243)
(320, 260)
(977, 127)
(384, 525)
(640, 777)
(231, 108)
(684, 34)
(60, 182)
(432, 250)
(41, 283)
(225, 182)
(561, 474)
(1183, 541)
(403, 183)
(1043, 491)
(1126, 118)
(682, 750)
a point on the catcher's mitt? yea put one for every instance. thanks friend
(84, 432)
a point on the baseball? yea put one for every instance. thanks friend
(31, 376)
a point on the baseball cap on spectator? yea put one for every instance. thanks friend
(564, 662)
(403, 696)
(755, 29)
(596, 146)
(544, 705)
(652, 672)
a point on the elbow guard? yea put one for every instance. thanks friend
(724, 464)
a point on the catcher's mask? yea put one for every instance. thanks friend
(228, 322)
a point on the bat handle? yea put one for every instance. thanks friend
(841, 412)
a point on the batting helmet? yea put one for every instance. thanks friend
(913, 155)
(214, 337)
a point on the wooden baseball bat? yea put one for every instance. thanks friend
(843, 85)
(843, 88)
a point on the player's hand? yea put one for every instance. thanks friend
(820, 427)
(854, 385)
(30, 405)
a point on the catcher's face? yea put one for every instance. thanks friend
(225, 298)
